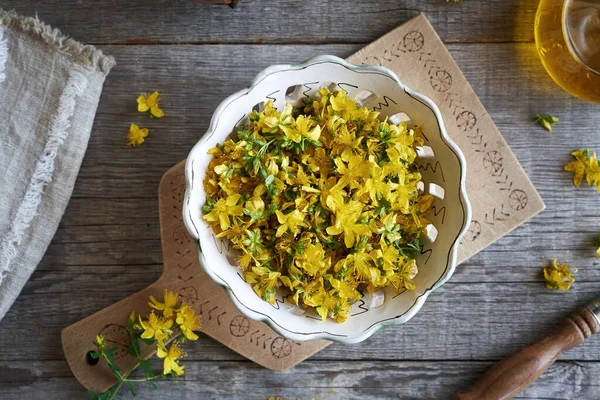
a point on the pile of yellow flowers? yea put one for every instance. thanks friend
(321, 199)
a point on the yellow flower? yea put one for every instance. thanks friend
(376, 186)
(346, 217)
(352, 169)
(270, 120)
(342, 104)
(264, 282)
(223, 209)
(585, 166)
(303, 127)
(150, 103)
(136, 135)
(188, 321)
(171, 358)
(292, 221)
(156, 327)
(345, 141)
(314, 262)
(558, 276)
(167, 306)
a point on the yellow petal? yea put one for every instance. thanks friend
(142, 105)
(167, 366)
(160, 352)
(177, 369)
(157, 112)
(148, 334)
(190, 334)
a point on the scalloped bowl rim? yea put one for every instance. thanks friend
(324, 335)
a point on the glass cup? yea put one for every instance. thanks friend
(567, 36)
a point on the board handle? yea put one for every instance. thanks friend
(521, 369)
(78, 339)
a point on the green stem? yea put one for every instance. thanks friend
(148, 378)
(113, 394)
(120, 377)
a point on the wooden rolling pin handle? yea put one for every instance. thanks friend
(515, 373)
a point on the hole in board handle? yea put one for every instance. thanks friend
(91, 360)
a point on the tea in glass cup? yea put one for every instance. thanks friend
(567, 36)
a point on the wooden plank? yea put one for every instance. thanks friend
(505, 260)
(284, 21)
(51, 380)
(460, 321)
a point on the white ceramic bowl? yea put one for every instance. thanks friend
(447, 169)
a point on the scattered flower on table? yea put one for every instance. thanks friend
(155, 330)
(558, 276)
(546, 121)
(585, 166)
(136, 135)
(150, 103)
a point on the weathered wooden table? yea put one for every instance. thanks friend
(108, 243)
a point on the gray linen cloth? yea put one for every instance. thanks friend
(49, 91)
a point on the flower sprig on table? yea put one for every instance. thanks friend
(176, 319)
(546, 121)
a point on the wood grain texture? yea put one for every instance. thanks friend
(369, 379)
(461, 321)
(108, 244)
(281, 21)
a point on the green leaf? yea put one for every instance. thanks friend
(149, 342)
(115, 368)
(110, 354)
(134, 349)
(208, 207)
(95, 355)
(147, 368)
(256, 163)
(106, 395)
(154, 386)
(131, 389)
